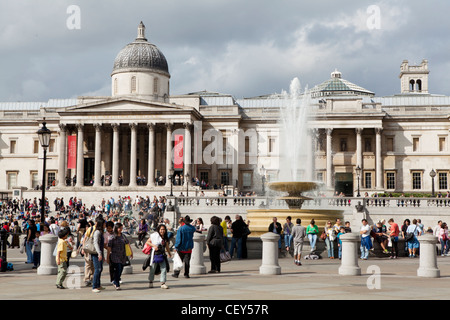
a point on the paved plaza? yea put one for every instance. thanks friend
(240, 280)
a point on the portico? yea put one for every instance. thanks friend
(136, 134)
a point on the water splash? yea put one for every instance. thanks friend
(294, 147)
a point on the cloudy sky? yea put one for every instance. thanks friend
(242, 47)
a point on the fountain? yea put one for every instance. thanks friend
(294, 112)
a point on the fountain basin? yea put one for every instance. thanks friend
(260, 219)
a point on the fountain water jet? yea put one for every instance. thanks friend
(293, 117)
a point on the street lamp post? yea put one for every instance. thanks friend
(44, 138)
(171, 182)
(432, 175)
(358, 174)
(186, 176)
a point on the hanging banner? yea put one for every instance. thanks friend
(178, 152)
(71, 152)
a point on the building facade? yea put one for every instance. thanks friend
(132, 139)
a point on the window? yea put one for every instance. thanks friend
(133, 84)
(417, 180)
(51, 178)
(368, 180)
(115, 86)
(247, 145)
(442, 144)
(415, 144)
(390, 144)
(320, 176)
(12, 179)
(51, 146)
(13, 146)
(204, 176)
(390, 180)
(271, 144)
(36, 146)
(367, 145)
(225, 178)
(246, 179)
(443, 185)
(34, 179)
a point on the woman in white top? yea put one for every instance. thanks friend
(329, 240)
(159, 242)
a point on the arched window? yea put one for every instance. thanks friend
(115, 85)
(419, 85)
(133, 84)
(411, 85)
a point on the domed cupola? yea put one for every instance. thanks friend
(140, 68)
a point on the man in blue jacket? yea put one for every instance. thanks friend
(184, 243)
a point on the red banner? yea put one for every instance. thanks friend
(178, 152)
(71, 152)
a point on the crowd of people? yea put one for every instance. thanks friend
(386, 235)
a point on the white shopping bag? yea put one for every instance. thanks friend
(177, 263)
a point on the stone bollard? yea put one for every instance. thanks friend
(270, 254)
(197, 260)
(48, 260)
(349, 263)
(428, 257)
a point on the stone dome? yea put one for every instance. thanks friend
(140, 55)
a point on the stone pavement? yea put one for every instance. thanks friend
(240, 280)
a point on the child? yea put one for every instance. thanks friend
(341, 232)
(37, 251)
(61, 257)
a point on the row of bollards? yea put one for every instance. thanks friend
(349, 263)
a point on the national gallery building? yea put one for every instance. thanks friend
(141, 135)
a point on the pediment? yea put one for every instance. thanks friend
(124, 105)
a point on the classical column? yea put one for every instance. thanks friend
(169, 127)
(133, 154)
(62, 155)
(329, 159)
(234, 157)
(378, 160)
(310, 167)
(115, 155)
(358, 147)
(80, 155)
(151, 155)
(98, 155)
(187, 152)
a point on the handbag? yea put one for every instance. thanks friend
(89, 244)
(147, 249)
(146, 262)
(128, 251)
(225, 257)
(410, 235)
(323, 236)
